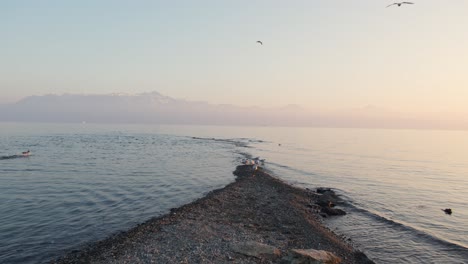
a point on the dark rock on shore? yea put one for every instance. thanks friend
(332, 211)
(327, 199)
(256, 219)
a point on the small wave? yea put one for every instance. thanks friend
(406, 228)
(12, 157)
(296, 170)
(236, 142)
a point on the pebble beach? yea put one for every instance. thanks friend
(256, 219)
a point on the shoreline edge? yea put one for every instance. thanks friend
(255, 219)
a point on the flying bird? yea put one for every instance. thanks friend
(258, 41)
(401, 3)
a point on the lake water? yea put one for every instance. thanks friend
(85, 182)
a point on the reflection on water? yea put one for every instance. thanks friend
(395, 182)
(81, 187)
(85, 182)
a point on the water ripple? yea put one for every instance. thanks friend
(79, 188)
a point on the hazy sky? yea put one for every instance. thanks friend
(318, 54)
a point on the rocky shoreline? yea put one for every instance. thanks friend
(256, 219)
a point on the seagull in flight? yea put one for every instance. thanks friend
(401, 3)
(258, 41)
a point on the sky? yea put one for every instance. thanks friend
(333, 54)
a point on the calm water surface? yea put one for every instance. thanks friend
(85, 182)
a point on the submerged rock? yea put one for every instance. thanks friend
(323, 190)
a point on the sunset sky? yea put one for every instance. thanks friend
(333, 54)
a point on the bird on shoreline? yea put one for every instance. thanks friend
(401, 3)
(247, 162)
(447, 211)
(258, 41)
(257, 160)
(255, 167)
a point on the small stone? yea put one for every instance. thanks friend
(255, 249)
(311, 256)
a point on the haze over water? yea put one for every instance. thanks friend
(85, 182)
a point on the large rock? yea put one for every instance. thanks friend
(326, 196)
(332, 211)
(255, 249)
(311, 256)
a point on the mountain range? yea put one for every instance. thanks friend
(150, 107)
(156, 108)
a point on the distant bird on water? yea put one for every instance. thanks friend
(401, 3)
(258, 41)
(447, 211)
